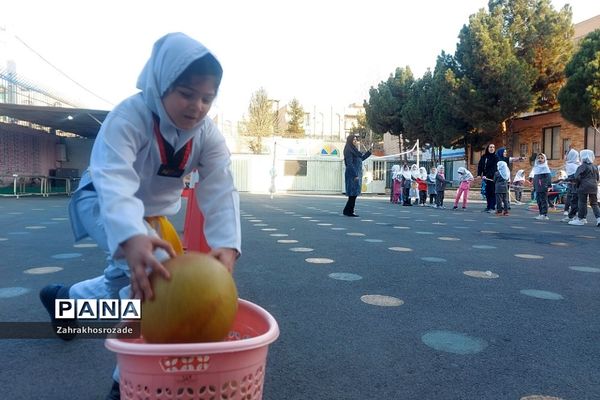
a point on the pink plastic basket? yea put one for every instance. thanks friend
(233, 369)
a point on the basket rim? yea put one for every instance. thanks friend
(179, 349)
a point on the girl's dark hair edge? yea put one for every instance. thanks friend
(206, 65)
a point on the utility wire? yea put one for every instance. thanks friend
(62, 73)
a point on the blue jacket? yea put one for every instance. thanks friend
(353, 159)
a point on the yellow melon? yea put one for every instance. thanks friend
(198, 303)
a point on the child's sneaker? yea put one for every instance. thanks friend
(464, 208)
(505, 213)
(48, 295)
(566, 213)
(576, 221)
(498, 212)
(454, 208)
(542, 217)
(566, 219)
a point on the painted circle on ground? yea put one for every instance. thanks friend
(541, 294)
(438, 223)
(324, 224)
(563, 244)
(278, 234)
(355, 234)
(481, 274)
(38, 209)
(461, 227)
(529, 256)
(448, 238)
(517, 227)
(381, 223)
(433, 259)
(255, 220)
(380, 300)
(19, 233)
(261, 224)
(3, 239)
(338, 229)
(345, 276)
(287, 241)
(318, 260)
(269, 229)
(402, 249)
(373, 240)
(15, 213)
(585, 269)
(314, 220)
(301, 249)
(64, 256)
(540, 397)
(9, 292)
(289, 212)
(469, 220)
(488, 232)
(423, 233)
(42, 270)
(419, 220)
(401, 227)
(453, 342)
(586, 237)
(366, 220)
(59, 219)
(483, 246)
(306, 217)
(85, 245)
(35, 227)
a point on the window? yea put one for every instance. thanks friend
(566, 146)
(523, 150)
(378, 170)
(551, 137)
(294, 168)
(592, 139)
(535, 148)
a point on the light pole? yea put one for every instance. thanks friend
(273, 172)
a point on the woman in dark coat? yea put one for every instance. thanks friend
(353, 159)
(486, 169)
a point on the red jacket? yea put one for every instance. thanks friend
(421, 184)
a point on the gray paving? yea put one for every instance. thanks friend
(400, 303)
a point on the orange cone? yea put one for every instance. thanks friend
(193, 229)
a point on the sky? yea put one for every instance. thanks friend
(327, 54)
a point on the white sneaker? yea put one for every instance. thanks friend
(584, 221)
(542, 217)
(576, 221)
(566, 219)
(566, 213)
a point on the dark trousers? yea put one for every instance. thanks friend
(439, 200)
(432, 200)
(422, 196)
(582, 204)
(405, 196)
(349, 209)
(490, 195)
(502, 202)
(573, 204)
(542, 202)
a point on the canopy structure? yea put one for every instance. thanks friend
(80, 121)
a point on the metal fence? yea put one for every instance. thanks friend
(16, 185)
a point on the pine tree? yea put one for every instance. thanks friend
(261, 120)
(295, 128)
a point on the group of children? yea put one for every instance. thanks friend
(580, 176)
(412, 182)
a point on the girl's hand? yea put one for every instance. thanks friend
(226, 256)
(139, 253)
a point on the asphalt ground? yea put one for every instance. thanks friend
(400, 303)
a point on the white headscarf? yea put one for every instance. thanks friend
(503, 170)
(572, 162)
(406, 172)
(587, 156)
(414, 171)
(541, 167)
(465, 174)
(422, 173)
(440, 170)
(520, 176)
(432, 174)
(395, 171)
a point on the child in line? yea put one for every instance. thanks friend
(571, 165)
(465, 178)
(422, 186)
(146, 146)
(396, 178)
(414, 186)
(542, 180)
(431, 187)
(501, 182)
(440, 186)
(586, 179)
(517, 185)
(406, 183)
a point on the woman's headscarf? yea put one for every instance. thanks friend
(395, 171)
(572, 162)
(440, 170)
(541, 167)
(587, 156)
(519, 176)
(500, 153)
(503, 170)
(432, 173)
(422, 173)
(414, 171)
